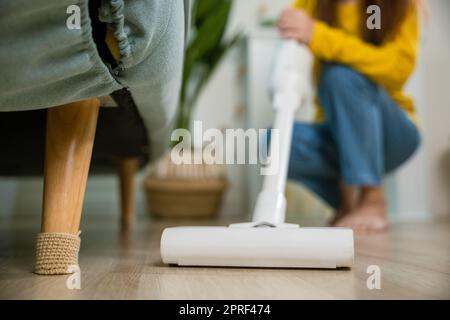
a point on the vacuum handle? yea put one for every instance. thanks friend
(285, 105)
(290, 86)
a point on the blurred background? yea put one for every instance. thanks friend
(235, 96)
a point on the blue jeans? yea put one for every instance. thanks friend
(364, 136)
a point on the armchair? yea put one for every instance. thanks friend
(50, 82)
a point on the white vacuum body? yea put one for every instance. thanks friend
(267, 241)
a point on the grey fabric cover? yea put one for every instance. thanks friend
(45, 64)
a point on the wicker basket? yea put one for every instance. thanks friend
(184, 198)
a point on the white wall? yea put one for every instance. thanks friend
(436, 84)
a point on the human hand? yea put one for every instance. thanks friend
(296, 24)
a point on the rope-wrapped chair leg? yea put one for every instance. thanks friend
(56, 252)
(69, 140)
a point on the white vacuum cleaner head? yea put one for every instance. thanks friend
(263, 247)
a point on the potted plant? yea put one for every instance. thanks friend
(187, 190)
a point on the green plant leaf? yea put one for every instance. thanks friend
(209, 34)
(213, 62)
(204, 53)
(203, 8)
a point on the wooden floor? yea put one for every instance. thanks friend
(414, 262)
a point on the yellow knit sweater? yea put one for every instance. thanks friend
(390, 65)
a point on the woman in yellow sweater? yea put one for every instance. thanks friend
(366, 124)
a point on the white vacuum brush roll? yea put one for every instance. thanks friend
(258, 247)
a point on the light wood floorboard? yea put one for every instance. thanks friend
(414, 261)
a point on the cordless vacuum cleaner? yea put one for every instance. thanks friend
(267, 241)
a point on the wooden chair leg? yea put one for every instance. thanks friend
(68, 150)
(128, 168)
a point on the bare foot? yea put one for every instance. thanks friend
(348, 202)
(370, 214)
(338, 215)
(366, 217)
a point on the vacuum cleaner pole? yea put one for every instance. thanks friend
(289, 88)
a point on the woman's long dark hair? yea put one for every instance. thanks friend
(392, 14)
